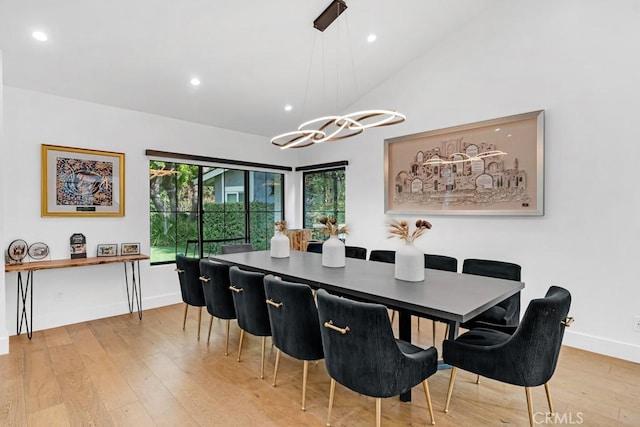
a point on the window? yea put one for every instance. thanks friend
(324, 196)
(196, 209)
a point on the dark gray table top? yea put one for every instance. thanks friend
(446, 295)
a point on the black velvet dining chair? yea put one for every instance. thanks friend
(362, 354)
(527, 358)
(381, 255)
(294, 324)
(355, 252)
(315, 247)
(188, 270)
(506, 314)
(234, 249)
(443, 263)
(251, 309)
(215, 284)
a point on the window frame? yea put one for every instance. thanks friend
(305, 173)
(270, 169)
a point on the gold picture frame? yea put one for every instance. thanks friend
(493, 167)
(82, 182)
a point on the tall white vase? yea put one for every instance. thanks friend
(333, 252)
(280, 246)
(409, 263)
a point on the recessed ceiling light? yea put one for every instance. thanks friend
(498, 129)
(288, 108)
(40, 36)
(195, 81)
(371, 38)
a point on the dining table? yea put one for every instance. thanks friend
(447, 296)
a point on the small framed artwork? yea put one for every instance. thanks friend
(130, 249)
(107, 249)
(81, 182)
(38, 251)
(17, 251)
(494, 167)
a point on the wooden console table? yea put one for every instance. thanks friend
(25, 288)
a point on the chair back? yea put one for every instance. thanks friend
(249, 301)
(366, 358)
(355, 252)
(489, 268)
(440, 262)
(499, 270)
(215, 284)
(188, 274)
(383, 256)
(294, 319)
(535, 345)
(315, 247)
(234, 249)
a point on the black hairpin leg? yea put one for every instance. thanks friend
(136, 289)
(24, 291)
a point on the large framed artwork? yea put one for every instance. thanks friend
(493, 167)
(81, 182)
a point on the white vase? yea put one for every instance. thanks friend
(333, 252)
(409, 263)
(280, 246)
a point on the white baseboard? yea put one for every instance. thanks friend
(69, 317)
(617, 349)
(4, 344)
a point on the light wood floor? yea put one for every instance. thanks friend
(122, 371)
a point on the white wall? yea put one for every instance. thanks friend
(4, 336)
(71, 295)
(577, 60)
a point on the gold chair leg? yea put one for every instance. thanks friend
(184, 321)
(433, 332)
(477, 379)
(199, 321)
(275, 371)
(332, 390)
(240, 346)
(378, 411)
(527, 390)
(546, 389)
(210, 324)
(452, 380)
(264, 342)
(305, 371)
(425, 385)
(226, 347)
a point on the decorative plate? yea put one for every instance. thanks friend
(38, 250)
(18, 250)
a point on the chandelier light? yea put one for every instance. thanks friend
(335, 128)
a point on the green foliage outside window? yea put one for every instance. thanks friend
(174, 213)
(324, 196)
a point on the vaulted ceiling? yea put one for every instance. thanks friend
(252, 57)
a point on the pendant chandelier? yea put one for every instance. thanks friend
(334, 128)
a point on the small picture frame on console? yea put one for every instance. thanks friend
(107, 250)
(130, 249)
